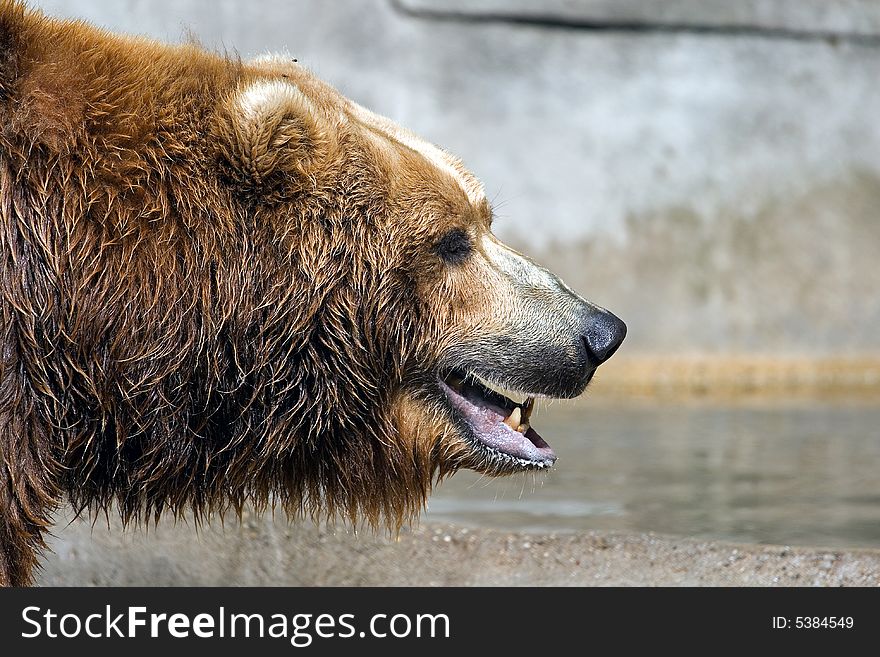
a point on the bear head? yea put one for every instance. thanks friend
(415, 327)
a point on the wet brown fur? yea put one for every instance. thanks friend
(197, 312)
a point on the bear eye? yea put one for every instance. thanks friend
(454, 247)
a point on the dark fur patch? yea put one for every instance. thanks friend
(454, 247)
(10, 19)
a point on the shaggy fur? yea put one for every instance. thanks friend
(219, 285)
(175, 333)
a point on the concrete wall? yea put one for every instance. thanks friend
(709, 170)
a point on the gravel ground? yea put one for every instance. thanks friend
(262, 552)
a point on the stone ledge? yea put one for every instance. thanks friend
(739, 375)
(820, 17)
(260, 552)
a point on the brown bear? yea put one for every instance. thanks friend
(224, 283)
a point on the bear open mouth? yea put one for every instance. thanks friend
(496, 423)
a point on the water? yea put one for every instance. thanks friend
(801, 472)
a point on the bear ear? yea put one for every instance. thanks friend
(272, 138)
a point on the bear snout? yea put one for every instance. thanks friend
(602, 333)
(595, 337)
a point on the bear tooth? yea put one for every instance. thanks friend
(514, 419)
(527, 407)
(523, 428)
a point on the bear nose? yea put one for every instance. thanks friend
(602, 334)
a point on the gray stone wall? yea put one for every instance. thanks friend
(709, 170)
